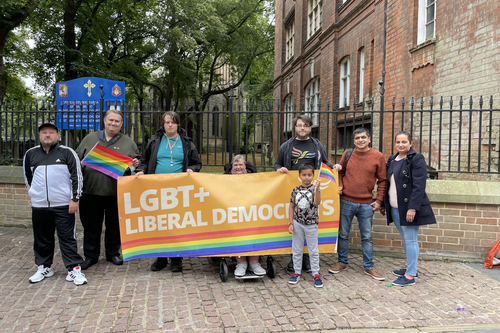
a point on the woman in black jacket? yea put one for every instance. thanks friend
(406, 202)
(170, 151)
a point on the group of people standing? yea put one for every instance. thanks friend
(404, 201)
(58, 185)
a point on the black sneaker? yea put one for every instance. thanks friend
(401, 272)
(159, 264)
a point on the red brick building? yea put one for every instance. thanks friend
(337, 49)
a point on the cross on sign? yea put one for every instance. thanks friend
(201, 194)
(89, 85)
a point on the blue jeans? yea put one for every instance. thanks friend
(410, 242)
(364, 214)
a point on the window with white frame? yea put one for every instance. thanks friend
(312, 100)
(344, 82)
(426, 20)
(361, 73)
(314, 16)
(290, 39)
(288, 113)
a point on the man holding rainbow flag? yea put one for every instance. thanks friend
(105, 155)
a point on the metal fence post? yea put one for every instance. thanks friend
(230, 148)
(101, 106)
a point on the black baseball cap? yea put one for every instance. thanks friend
(49, 125)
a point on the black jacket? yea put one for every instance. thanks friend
(148, 159)
(410, 176)
(52, 179)
(284, 158)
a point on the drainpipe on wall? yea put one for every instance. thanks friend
(382, 82)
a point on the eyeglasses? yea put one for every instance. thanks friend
(302, 126)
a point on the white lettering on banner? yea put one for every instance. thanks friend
(160, 222)
(201, 194)
(190, 219)
(269, 212)
(252, 213)
(174, 219)
(169, 195)
(327, 205)
(128, 204)
(232, 213)
(215, 216)
(168, 199)
(141, 225)
(150, 223)
(276, 211)
(199, 222)
(153, 202)
(128, 227)
(185, 194)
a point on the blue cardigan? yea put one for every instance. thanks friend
(410, 176)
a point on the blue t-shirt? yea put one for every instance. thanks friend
(163, 159)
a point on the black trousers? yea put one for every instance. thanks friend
(93, 209)
(45, 222)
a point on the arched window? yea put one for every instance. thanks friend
(312, 100)
(344, 82)
(361, 74)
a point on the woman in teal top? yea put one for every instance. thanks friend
(170, 151)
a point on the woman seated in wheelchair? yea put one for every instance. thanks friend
(239, 166)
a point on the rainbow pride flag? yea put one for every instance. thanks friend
(224, 243)
(107, 161)
(326, 172)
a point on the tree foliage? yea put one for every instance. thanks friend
(167, 50)
(12, 14)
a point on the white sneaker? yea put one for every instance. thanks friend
(241, 269)
(76, 276)
(257, 269)
(41, 274)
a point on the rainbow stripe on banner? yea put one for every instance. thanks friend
(223, 243)
(107, 161)
(326, 172)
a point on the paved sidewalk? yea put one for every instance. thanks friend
(130, 298)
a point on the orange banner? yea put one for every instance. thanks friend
(170, 215)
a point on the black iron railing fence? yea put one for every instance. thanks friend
(455, 135)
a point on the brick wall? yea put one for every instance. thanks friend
(462, 231)
(14, 205)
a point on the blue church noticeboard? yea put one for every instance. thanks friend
(80, 95)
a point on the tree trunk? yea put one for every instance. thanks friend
(70, 51)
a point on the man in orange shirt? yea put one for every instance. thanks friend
(365, 168)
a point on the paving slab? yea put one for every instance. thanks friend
(131, 298)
